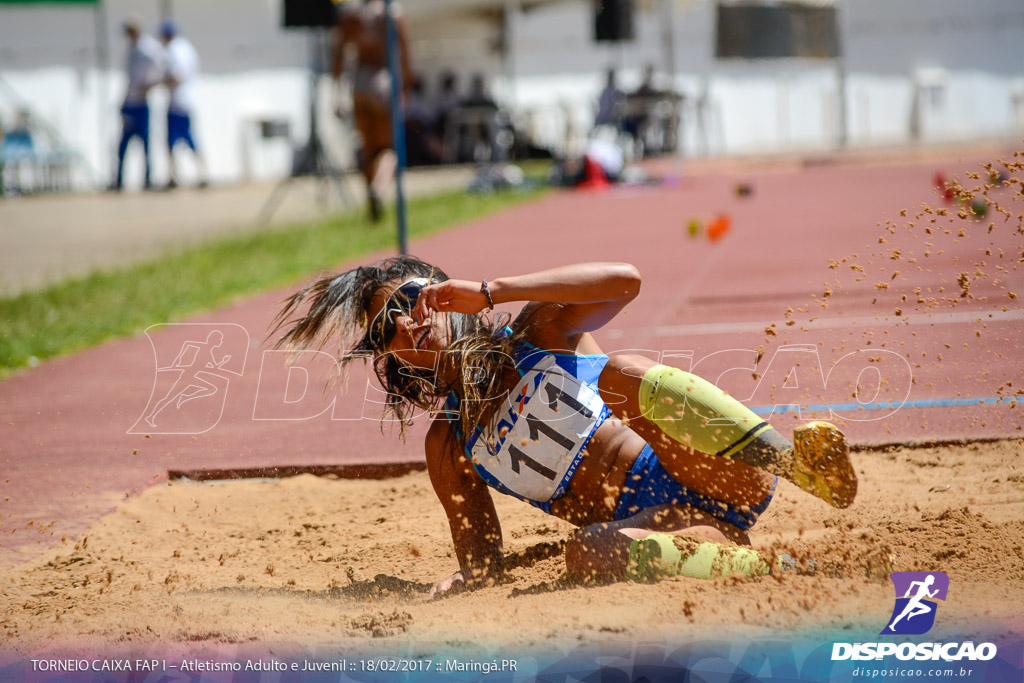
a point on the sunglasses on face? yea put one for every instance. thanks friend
(401, 302)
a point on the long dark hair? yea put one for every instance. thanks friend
(480, 350)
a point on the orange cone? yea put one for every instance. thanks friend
(719, 227)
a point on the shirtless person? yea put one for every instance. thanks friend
(362, 27)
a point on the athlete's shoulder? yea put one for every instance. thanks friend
(538, 325)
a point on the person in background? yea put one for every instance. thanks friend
(17, 146)
(363, 27)
(478, 95)
(478, 122)
(448, 99)
(182, 69)
(609, 102)
(423, 145)
(18, 140)
(145, 65)
(602, 163)
(641, 102)
(647, 87)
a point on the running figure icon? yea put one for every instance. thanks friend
(916, 606)
(195, 359)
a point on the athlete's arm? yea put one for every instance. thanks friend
(593, 293)
(476, 532)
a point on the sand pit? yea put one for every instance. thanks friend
(291, 564)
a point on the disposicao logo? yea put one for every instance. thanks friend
(917, 594)
(914, 612)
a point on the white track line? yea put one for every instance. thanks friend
(916, 319)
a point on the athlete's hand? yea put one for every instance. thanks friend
(453, 584)
(451, 296)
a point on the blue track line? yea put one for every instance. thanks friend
(886, 405)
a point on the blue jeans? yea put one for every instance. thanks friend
(135, 123)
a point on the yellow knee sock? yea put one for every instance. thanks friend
(661, 555)
(696, 413)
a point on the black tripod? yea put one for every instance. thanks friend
(313, 160)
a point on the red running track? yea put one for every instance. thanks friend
(73, 444)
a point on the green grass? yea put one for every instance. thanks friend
(80, 313)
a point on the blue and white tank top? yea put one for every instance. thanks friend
(540, 433)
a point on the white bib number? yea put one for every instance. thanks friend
(539, 433)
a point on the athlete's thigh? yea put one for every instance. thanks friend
(722, 478)
(619, 385)
(620, 381)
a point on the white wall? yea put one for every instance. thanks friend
(252, 68)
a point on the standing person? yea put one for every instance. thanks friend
(632, 452)
(362, 27)
(182, 69)
(145, 64)
(448, 99)
(423, 146)
(641, 103)
(609, 104)
(479, 122)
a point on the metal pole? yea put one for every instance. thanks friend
(102, 88)
(510, 12)
(841, 105)
(843, 132)
(397, 125)
(668, 40)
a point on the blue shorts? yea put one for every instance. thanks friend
(135, 122)
(179, 127)
(648, 485)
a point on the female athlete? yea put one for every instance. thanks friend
(643, 458)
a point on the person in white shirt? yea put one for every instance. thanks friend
(144, 66)
(182, 68)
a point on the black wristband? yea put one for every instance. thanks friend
(487, 293)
